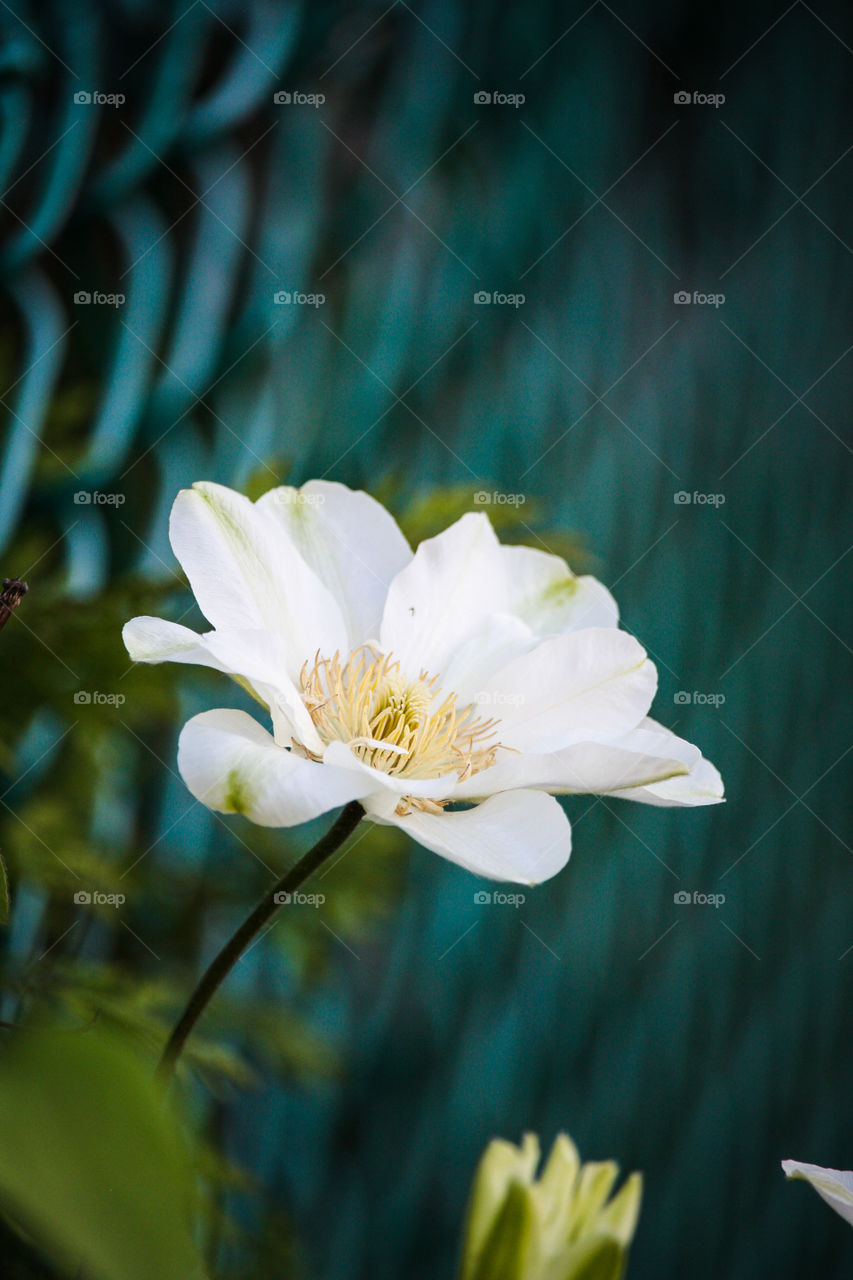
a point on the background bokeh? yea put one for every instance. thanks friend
(360, 1059)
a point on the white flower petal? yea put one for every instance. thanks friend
(452, 583)
(387, 789)
(650, 764)
(592, 684)
(656, 739)
(585, 767)
(246, 573)
(291, 719)
(351, 542)
(835, 1186)
(702, 785)
(494, 642)
(231, 764)
(156, 640)
(522, 836)
(546, 594)
(257, 659)
(254, 655)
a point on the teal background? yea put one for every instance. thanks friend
(702, 1045)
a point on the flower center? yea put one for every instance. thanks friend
(404, 727)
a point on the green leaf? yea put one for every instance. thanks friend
(4, 893)
(91, 1161)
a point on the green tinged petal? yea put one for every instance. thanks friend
(594, 1258)
(513, 1248)
(619, 1217)
(555, 1191)
(501, 1164)
(559, 1226)
(594, 1186)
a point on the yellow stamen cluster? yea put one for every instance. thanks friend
(404, 727)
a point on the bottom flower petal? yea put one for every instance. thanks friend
(522, 836)
(231, 764)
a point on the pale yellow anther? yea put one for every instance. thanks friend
(405, 727)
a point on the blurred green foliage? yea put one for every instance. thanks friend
(4, 893)
(93, 1166)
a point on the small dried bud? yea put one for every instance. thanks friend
(11, 596)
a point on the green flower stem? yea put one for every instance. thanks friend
(224, 962)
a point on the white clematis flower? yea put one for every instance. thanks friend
(465, 672)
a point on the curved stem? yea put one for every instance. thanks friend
(224, 962)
